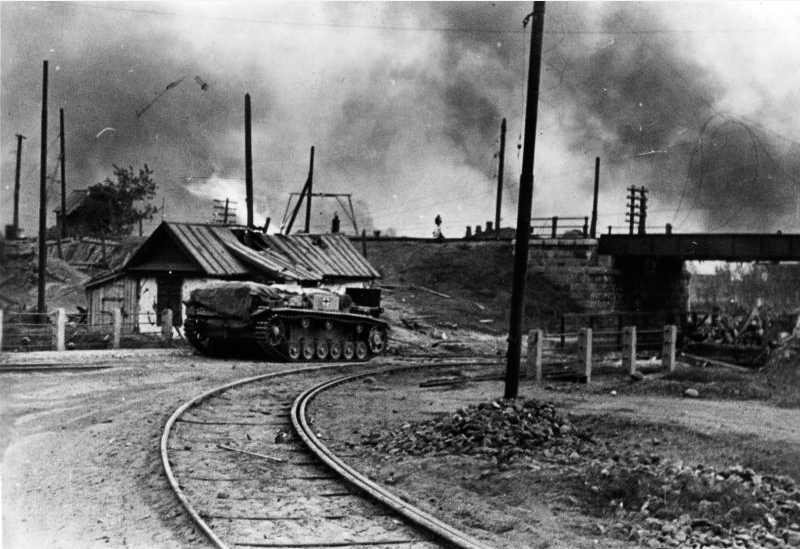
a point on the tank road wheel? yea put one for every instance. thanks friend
(361, 350)
(275, 332)
(322, 349)
(377, 340)
(336, 349)
(348, 350)
(293, 350)
(308, 349)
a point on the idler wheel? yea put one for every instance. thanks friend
(336, 349)
(322, 349)
(293, 350)
(361, 350)
(377, 340)
(308, 349)
(348, 350)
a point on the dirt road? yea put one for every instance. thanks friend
(80, 462)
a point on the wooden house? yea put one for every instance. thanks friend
(179, 257)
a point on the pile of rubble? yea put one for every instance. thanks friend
(502, 429)
(676, 505)
(650, 501)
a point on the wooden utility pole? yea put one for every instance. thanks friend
(309, 185)
(593, 230)
(20, 137)
(500, 166)
(306, 190)
(524, 208)
(63, 177)
(248, 161)
(41, 308)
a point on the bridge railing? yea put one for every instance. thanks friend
(569, 227)
(650, 229)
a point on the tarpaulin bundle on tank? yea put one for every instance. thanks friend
(234, 298)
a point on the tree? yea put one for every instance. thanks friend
(115, 208)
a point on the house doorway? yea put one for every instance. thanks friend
(169, 297)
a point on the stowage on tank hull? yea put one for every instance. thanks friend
(295, 326)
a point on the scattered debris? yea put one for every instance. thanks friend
(653, 502)
(104, 130)
(203, 84)
(691, 393)
(256, 454)
(670, 504)
(434, 292)
(158, 96)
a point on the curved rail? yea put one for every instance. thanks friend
(179, 493)
(419, 517)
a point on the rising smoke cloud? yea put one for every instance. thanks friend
(403, 103)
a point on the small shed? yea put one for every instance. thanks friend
(178, 257)
(73, 211)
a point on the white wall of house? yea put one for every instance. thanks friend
(148, 295)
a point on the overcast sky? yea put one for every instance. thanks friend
(698, 102)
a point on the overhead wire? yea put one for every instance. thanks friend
(699, 96)
(561, 32)
(256, 20)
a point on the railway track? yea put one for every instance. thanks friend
(248, 468)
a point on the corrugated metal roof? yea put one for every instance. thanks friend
(203, 244)
(266, 260)
(304, 258)
(330, 255)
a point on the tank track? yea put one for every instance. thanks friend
(312, 337)
(209, 346)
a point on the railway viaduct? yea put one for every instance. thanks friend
(650, 273)
(621, 272)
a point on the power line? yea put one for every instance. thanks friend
(608, 32)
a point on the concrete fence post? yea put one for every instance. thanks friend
(535, 345)
(115, 344)
(1, 331)
(60, 329)
(166, 326)
(585, 360)
(629, 349)
(668, 348)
